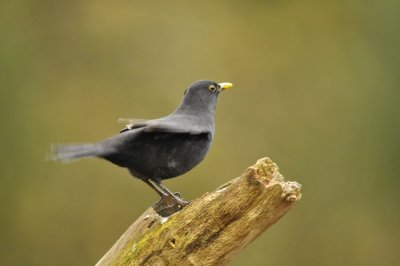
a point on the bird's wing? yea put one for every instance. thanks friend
(168, 126)
(132, 123)
(176, 127)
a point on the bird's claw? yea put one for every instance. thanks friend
(170, 204)
(179, 200)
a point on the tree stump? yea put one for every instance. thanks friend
(213, 228)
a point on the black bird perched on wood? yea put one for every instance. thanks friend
(163, 148)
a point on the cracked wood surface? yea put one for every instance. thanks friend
(213, 228)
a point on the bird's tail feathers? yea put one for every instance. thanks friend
(70, 152)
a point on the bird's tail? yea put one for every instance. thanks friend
(70, 152)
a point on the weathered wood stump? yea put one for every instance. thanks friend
(213, 228)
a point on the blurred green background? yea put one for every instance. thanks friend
(316, 89)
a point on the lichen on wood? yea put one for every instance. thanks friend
(213, 228)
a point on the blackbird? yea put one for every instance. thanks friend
(157, 149)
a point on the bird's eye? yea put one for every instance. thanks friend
(212, 88)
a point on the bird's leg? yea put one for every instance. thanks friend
(175, 196)
(169, 202)
(156, 188)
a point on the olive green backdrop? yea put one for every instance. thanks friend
(316, 89)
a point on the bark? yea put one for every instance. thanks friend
(213, 228)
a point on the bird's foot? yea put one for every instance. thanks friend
(170, 204)
(178, 199)
(181, 202)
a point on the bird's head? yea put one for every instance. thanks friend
(208, 87)
(202, 95)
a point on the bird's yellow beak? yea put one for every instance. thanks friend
(225, 85)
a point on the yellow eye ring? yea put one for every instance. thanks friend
(212, 88)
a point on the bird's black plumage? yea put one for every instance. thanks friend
(153, 150)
